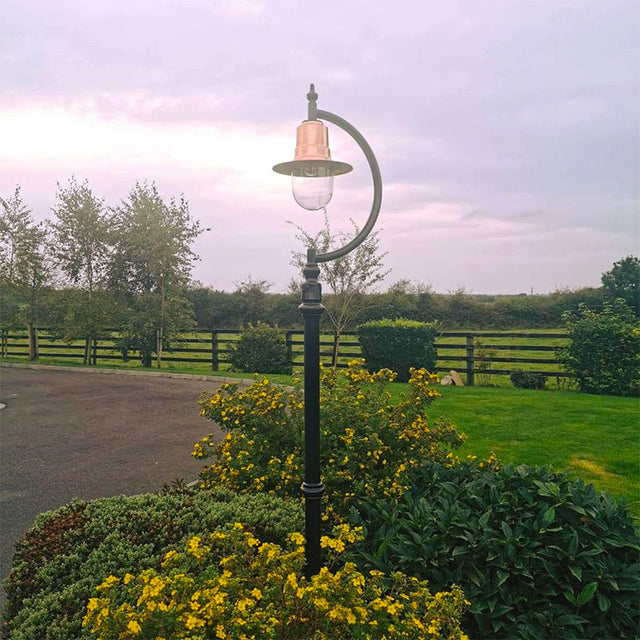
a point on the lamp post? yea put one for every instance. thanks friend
(312, 172)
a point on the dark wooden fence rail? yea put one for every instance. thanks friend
(471, 355)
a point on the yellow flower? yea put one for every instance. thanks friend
(220, 632)
(296, 538)
(134, 627)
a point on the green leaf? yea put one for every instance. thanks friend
(603, 602)
(576, 571)
(506, 529)
(573, 544)
(586, 594)
(549, 516)
(570, 619)
(501, 609)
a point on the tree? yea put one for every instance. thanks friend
(152, 256)
(623, 281)
(252, 294)
(79, 246)
(349, 277)
(139, 329)
(25, 266)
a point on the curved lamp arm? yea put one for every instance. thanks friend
(377, 185)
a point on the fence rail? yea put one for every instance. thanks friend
(211, 347)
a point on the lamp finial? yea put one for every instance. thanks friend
(312, 96)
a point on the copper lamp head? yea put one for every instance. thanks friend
(312, 158)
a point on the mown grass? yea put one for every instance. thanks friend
(595, 437)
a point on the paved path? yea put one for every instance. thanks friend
(69, 433)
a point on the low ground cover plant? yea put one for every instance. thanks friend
(538, 555)
(261, 349)
(229, 584)
(398, 345)
(528, 380)
(368, 444)
(70, 551)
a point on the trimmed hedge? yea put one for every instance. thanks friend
(398, 345)
(68, 552)
(538, 555)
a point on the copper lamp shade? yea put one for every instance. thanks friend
(313, 158)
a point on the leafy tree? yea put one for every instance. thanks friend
(81, 317)
(152, 256)
(215, 309)
(10, 316)
(603, 354)
(252, 295)
(25, 266)
(623, 281)
(349, 277)
(79, 246)
(139, 327)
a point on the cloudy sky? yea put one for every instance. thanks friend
(507, 132)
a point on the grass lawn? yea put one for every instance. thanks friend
(597, 438)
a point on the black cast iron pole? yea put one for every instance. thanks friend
(312, 487)
(312, 309)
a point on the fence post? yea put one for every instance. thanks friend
(214, 350)
(470, 363)
(288, 337)
(33, 342)
(94, 358)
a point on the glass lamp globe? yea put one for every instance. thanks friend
(312, 192)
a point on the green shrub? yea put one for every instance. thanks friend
(230, 585)
(398, 345)
(528, 380)
(538, 555)
(603, 354)
(261, 349)
(368, 444)
(68, 552)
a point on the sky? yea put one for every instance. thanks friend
(507, 132)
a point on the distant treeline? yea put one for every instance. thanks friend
(221, 309)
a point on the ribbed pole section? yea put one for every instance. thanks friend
(312, 487)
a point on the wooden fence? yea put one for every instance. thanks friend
(475, 354)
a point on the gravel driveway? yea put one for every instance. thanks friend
(70, 433)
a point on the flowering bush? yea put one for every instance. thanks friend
(233, 586)
(61, 559)
(368, 445)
